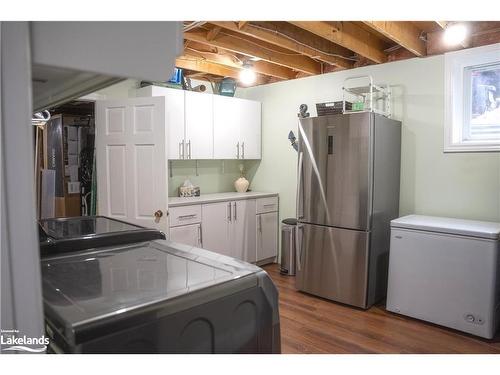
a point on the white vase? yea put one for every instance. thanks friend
(241, 185)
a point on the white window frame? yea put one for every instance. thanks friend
(456, 64)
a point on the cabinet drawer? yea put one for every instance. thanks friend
(184, 215)
(269, 204)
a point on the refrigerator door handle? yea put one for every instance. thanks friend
(298, 246)
(299, 208)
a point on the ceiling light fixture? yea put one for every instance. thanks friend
(247, 74)
(455, 34)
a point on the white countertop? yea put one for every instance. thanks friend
(217, 197)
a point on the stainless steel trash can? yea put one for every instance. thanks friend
(287, 263)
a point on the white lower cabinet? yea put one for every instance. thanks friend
(229, 228)
(242, 230)
(267, 236)
(215, 227)
(187, 234)
(245, 229)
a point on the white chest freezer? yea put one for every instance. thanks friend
(445, 271)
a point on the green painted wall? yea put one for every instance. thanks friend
(465, 185)
(214, 176)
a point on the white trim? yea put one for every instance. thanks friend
(93, 97)
(455, 63)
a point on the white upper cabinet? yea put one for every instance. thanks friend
(226, 129)
(237, 128)
(250, 128)
(174, 113)
(174, 117)
(199, 130)
(206, 126)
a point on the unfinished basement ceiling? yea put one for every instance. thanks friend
(280, 50)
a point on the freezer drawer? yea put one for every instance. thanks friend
(333, 263)
(445, 279)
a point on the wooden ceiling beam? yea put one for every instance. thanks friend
(241, 24)
(213, 33)
(275, 36)
(347, 35)
(255, 48)
(441, 24)
(480, 34)
(405, 34)
(187, 62)
(223, 57)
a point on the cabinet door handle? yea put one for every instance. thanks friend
(186, 216)
(200, 236)
(243, 150)
(235, 218)
(180, 150)
(189, 149)
(229, 216)
(183, 149)
(260, 223)
(238, 150)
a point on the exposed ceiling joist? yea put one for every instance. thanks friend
(274, 34)
(405, 34)
(220, 56)
(256, 48)
(241, 24)
(213, 33)
(347, 35)
(187, 62)
(442, 24)
(480, 33)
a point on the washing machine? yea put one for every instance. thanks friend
(114, 287)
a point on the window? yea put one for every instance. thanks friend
(472, 94)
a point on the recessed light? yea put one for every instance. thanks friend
(455, 34)
(247, 75)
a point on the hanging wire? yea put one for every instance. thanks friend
(40, 118)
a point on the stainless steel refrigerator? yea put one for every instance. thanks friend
(347, 193)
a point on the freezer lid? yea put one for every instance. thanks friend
(130, 281)
(481, 229)
(60, 235)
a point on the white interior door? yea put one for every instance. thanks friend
(250, 128)
(267, 235)
(199, 125)
(215, 224)
(226, 128)
(132, 160)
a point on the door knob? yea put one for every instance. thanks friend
(158, 214)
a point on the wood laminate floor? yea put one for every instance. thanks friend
(314, 325)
